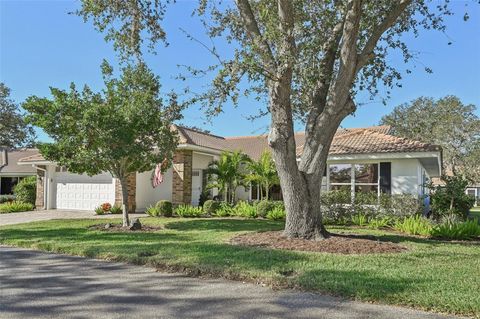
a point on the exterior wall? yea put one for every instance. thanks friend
(242, 193)
(132, 187)
(406, 176)
(146, 195)
(182, 177)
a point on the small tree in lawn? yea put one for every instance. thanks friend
(227, 174)
(124, 129)
(263, 173)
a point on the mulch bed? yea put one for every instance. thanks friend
(119, 228)
(337, 243)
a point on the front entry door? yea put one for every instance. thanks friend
(196, 186)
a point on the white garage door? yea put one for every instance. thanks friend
(83, 192)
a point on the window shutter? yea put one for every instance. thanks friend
(386, 177)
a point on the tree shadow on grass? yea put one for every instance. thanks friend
(226, 225)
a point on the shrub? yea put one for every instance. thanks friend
(153, 211)
(106, 207)
(15, 206)
(450, 229)
(188, 211)
(116, 209)
(6, 198)
(277, 213)
(359, 219)
(377, 223)
(451, 197)
(244, 209)
(414, 225)
(26, 190)
(210, 206)
(337, 208)
(165, 208)
(266, 206)
(224, 210)
(99, 210)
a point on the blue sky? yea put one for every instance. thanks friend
(42, 45)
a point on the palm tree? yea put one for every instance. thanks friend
(263, 173)
(227, 174)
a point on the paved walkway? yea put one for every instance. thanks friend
(40, 285)
(33, 216)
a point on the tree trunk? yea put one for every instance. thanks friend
(301, 191)
(124, 183)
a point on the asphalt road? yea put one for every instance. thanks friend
(41, 285)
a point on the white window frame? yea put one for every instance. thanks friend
(352, 178)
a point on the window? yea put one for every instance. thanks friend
(340, 174)
(354, 178)
(366, 178)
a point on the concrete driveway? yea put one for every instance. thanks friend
(33, 216)
(40, 285)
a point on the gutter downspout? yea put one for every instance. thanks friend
(45, 185)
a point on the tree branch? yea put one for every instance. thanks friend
(388, 22)
(255, 35)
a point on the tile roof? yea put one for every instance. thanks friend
(32, 158)
(13, 157)
(375, 139)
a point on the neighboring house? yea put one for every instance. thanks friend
(361, 159)
(474, 191)
(10, 172)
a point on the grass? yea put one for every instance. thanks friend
(432, 275)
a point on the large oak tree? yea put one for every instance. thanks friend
(307, 58)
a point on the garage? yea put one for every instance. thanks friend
(83, 192)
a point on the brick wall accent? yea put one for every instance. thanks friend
(182, 177)
(40, 196)
(132, 190)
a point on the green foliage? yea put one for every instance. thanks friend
(6, 198)
(15, 206)
(277, 213)
(338, 209)
(204, 196)
(359, 219)
(453, 229)
(263, 173)
(451, 197)
(224, 210)
(116, 209)
(14, 130)
(414, 225)
(244, 209)
(378, 223)
(227, 174)
(211, 206)
(165, 208)
(266, 206)
(153, 210)
(99, 210)
(459, 134)
(123, 129)
(188, 211)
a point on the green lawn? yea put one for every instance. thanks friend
(436, 276)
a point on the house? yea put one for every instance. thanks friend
(474, 191)
(10, 172)
(361, 159)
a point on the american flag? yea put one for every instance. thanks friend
(157, 175)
